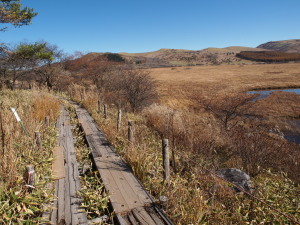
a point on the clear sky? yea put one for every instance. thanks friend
(148, 25)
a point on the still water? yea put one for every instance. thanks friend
(290, 136)
(265, 93)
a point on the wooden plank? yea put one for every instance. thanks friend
(122, 220)
(68, 218)
(154, 215)
(67, 210)
(118, 202)
(55, 205)
(121, 188)
(58, 167)
(77, 214)
(86, 127)
(127, 195)
(61, 200)
(142, 216)
(132, 220)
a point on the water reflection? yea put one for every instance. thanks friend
(295, 123)
(265, 93)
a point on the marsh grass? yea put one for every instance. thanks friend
(18, 205)
(199, 141)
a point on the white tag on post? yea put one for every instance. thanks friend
(16, 114)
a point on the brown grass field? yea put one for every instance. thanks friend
(175, 83)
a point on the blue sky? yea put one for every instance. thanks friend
(148, 25)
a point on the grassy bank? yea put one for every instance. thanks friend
(199, 142)
(18, 204)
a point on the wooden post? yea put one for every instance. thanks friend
(166, 160)
(119, 119)
(163, 200)
(84, 94)
(47, 121)
(38, 141)
(51, 115)
(130, 131)
(99, 106)
(2, 131)
(105, 111)
(30, 176)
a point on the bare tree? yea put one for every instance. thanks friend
(227, 108)
(138, 88)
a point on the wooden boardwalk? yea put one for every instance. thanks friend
(66, 208)
(130, 201)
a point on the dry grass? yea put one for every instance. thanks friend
(198, 139)
(18, 205)
(211, 80)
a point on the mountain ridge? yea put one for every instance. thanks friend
(288, 46)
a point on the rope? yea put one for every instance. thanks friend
(291, 218)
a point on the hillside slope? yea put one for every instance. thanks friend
(289, 46)
(182, 57)
(167, 57)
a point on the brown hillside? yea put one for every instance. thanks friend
(290, 46)
(182, 57)
(269, 56)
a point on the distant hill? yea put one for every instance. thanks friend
(181, 57)
(269, 56)
(167, 58)
(289, 46)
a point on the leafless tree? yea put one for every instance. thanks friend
(226, 108)
(138, 88)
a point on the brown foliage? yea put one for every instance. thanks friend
(138, 88)
(268, 56)
(225, 108)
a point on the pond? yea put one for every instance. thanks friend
(265, 93)
(290, 136)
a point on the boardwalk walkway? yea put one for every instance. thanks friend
(66, 209)
(130, 201)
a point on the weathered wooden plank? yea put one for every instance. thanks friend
(127, 195)
(154, 215)
(142, 216)
(58, 167)
(116, 174)
(117, 200)
(61, 200)
(77, 216)
(123, 220)
(55, 205)
(67, 206)
(132, 219)
(68, 218)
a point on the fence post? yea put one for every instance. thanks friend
(30, 176)
(166, 160)
(2, 130)
(47, 121)
(130, 131)
(105, 111)
(119, 119)
(99, 106)
(51, 114)
(163, 200)
(38, 141)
